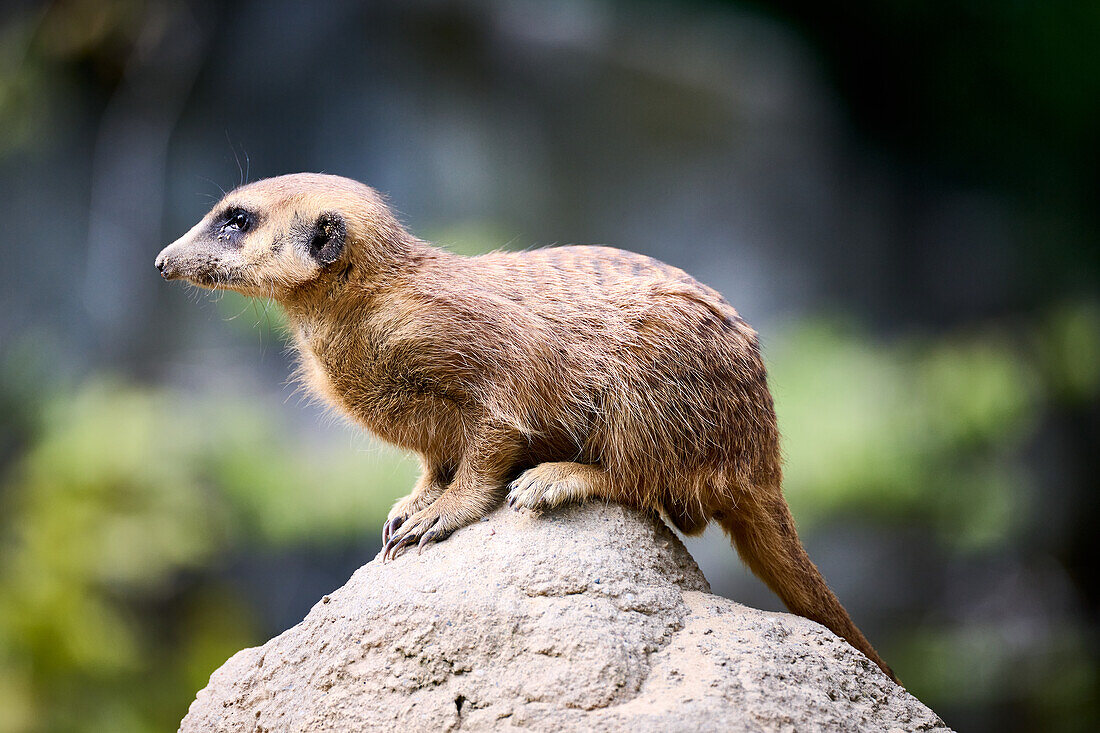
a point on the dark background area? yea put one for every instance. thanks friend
(900, 196)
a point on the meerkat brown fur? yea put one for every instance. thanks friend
(550, 376)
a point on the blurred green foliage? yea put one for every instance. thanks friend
(927, 428)
(899, 429)
(121, 492)
(929, 433)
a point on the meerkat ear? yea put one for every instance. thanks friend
(327, 238)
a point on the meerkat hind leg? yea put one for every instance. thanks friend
(552, 484)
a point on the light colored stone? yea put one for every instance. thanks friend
(587, 618)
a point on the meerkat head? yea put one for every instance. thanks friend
(286, 237)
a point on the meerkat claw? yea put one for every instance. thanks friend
(405, 542)
(389, 548)
(430, 536)
(390, 526)
(394, 546)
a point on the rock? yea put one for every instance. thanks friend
(588, 618)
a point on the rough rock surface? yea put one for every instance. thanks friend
(587, 618)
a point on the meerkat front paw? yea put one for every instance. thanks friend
(453, 510)
(548, 485)
(404, 508)
(422, 527)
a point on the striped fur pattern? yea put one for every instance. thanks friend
(541, 377)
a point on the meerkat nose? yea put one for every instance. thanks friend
(163, 266)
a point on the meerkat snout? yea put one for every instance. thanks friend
(212, 253)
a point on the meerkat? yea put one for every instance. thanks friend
(546, 376)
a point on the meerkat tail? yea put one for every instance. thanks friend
(764, 535)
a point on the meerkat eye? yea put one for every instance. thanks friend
(237, 220)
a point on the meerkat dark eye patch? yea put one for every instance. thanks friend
(238, 219)
(327, 238)
(232, 224)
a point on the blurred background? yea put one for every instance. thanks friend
(901, 196)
